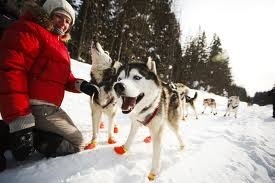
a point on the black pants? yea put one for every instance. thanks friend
(52, 145)
(47, 143)
(4, 137)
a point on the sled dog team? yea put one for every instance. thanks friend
(157, 104)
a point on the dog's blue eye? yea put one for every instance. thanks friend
(137, 77)
(118, 79)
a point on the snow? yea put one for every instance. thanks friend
(218, 149)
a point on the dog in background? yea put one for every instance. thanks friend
(190, 102)
(103, 72)
(210, 102)
(232, 105)
(187, 101)
(150, 102)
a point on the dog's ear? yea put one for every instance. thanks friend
(107, 53)
(117, 65)
(151, 65)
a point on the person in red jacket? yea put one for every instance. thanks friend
(35, 71)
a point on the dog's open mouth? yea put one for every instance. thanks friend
(129, 103)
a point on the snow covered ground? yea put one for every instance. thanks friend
(218, 149)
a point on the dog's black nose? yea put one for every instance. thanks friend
(119, 88)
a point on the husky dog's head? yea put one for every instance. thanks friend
(100, 58)
(103, 72)
(103, 67)
(137, 85)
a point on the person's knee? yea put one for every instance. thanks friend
(52, 145)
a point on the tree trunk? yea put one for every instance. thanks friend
(81, 34)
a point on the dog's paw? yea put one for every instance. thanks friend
(120, 150)
(182, 147)
(101, 125)
(151, 176)
(91, 145)
(115, 129)
(111, 140)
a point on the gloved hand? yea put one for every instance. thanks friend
(21, 144)
(89, 88)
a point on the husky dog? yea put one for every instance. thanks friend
(186, 100)
(151, 103)
(190, 102)
(103, 72)
(232, 105)
(210, 102)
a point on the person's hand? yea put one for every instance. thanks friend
(89, 88)
(21, 144)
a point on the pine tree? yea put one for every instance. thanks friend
(220, 77)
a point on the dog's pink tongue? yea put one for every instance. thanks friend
(128, 103)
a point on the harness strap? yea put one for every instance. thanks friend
(106, 105)
(149, 118)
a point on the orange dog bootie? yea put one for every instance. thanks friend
(91, 145)
(120, 150)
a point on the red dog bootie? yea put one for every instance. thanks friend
(147, 139)
(101, 125)
(115, 129)
(111, 140)
(91, 145)
(120, 150)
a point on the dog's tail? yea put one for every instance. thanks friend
(189, 99)
(195, 96)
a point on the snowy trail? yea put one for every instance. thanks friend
(218, 149)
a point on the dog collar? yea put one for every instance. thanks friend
(107, 104)
(149, 117)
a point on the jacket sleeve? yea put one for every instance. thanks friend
(71, 84)
(18, 48)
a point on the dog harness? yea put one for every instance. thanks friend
(233, 107)
(111, 101)
(149, 117)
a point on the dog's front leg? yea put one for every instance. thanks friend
(226, 112)
(96, 116)
(235, 114)
(111, 118)
(157, 142)
(203, 109)
(124, 148)
(195, 112)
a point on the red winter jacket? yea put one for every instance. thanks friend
(34, 64)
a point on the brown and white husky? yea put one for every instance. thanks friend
(150, 102)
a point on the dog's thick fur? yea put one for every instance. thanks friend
(232, 105)
(187, 101)
(103, 72)
(150, 102)
(210, 102)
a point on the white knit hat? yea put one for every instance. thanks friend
(51, 6)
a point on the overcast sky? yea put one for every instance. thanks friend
(247, 32)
